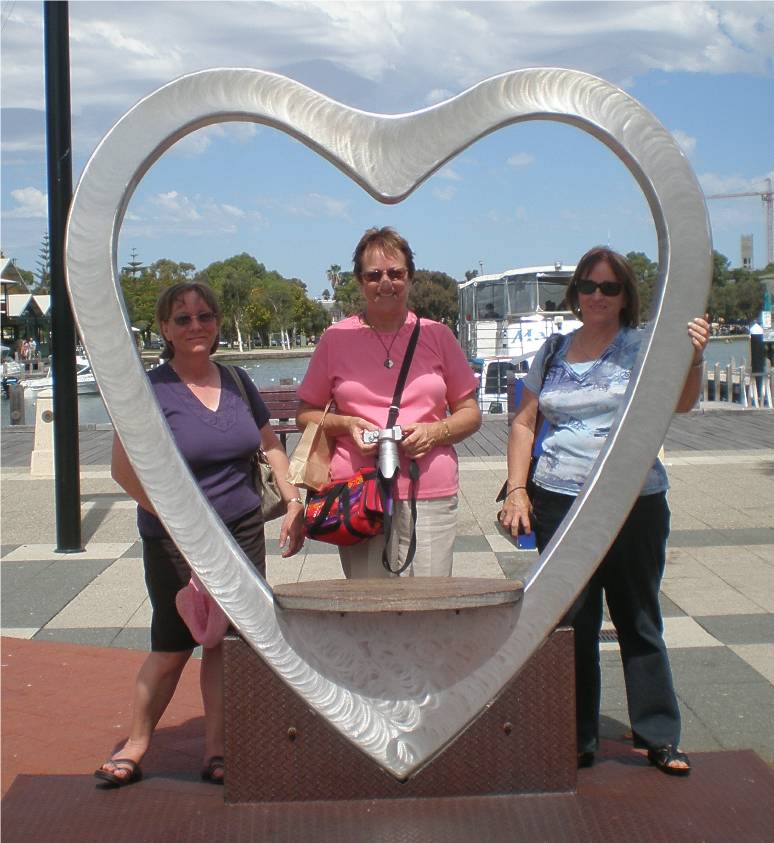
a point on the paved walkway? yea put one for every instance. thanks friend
(718, 592)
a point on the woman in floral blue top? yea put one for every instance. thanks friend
(579, 397)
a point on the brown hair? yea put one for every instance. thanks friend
(166, 301)
(386, 240)
(630, 313)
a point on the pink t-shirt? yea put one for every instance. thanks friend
(348, 365)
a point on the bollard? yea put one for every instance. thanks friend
(743, 386)
(42, 459)
(767, 392)
(730, 383)
(16, 399)
(716, 383)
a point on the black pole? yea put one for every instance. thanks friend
(67, 480)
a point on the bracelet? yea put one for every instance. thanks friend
(697, 364)
(295, 500)
(515, 489)
(446, 432)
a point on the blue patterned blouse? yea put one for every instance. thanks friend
(579, 401)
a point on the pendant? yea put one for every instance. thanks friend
(388, 364)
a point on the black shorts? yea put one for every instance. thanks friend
(166, 572)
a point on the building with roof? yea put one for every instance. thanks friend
(23, 315)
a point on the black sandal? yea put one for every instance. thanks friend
(214, 763)
(664, 757)
(112, 780)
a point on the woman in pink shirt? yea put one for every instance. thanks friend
(356, 364)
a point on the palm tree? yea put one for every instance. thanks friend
(334, 275)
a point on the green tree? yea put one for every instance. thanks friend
(43, 266)
(333, 274)
(646, 272)
(748, 294)
(141, 291)
(233, 280)
(434, 296)
(134, 267)
(348, 295)
(720, 305)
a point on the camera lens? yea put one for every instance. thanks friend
(388, 458)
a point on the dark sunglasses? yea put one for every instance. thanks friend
(207, 317)
(394, 274)
(607, 288)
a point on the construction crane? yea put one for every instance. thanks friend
(768, 204)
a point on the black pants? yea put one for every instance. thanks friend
(630, 577)
(166, 572)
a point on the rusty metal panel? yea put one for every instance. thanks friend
(279, 750)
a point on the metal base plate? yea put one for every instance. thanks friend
(279, 750)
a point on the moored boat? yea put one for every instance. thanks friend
(505, 318)
(84, 377)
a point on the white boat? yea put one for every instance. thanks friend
(506, 318)
(511, 314)
(85, 381)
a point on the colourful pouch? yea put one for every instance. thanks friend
(346, 512)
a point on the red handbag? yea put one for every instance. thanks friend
(347, 512)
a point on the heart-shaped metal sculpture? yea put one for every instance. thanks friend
(398, 687)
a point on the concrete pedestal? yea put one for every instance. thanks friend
(42, 458)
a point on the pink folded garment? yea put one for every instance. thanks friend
(202, 615)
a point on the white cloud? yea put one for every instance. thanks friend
(31, 203)
(198, 142)
(445, 193)
(521, 159)
(311, 205)
(428, 51)
(174, 206)
(686, 142)
(173, 212)
(713, 183)
(438, 95)
(449, 174)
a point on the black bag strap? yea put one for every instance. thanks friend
(392, 416)
(240, 385)
(385, 490)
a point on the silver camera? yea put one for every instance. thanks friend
(388, 439)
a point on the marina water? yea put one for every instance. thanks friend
(266, 373)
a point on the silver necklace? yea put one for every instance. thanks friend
(388, 361)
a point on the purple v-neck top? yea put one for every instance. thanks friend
(216, 444)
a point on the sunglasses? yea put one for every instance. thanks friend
(607, 288)
(393, 273)
(207, 317)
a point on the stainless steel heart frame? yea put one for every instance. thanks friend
(398, 687)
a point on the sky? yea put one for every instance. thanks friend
(527, 195)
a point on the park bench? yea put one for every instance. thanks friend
(283, 403)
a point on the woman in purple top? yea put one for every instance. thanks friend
(217, 433)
